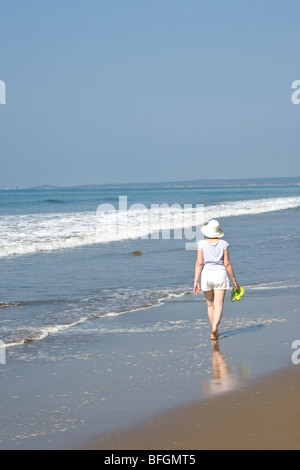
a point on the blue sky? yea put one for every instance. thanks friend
(118, 91)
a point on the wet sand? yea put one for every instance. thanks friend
(264, 415)
(153, 380)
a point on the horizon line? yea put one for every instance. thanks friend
(155, 183)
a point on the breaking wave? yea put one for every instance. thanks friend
(27, 234)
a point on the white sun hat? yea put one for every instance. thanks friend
(212, 230)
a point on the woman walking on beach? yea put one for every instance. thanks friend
(213, 265)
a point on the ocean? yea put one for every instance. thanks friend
(64, 262)
(99, 325)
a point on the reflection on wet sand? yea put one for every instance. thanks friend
(222, 380)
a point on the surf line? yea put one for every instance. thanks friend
(160, 220)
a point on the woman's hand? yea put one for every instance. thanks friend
(235, 285)
(196, 287)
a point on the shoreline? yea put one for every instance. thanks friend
(120, 382)
(263, 415)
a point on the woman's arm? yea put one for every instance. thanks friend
(229, 269)
(198, 269)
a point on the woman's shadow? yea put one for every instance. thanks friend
(238, 331)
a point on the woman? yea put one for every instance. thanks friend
(214, 266)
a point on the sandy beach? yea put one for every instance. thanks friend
(153, 379)
(262, 416)
(237, 410)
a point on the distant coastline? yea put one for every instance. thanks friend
(201, 183)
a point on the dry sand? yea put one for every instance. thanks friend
(265, 415)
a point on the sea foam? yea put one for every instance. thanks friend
(27, 234)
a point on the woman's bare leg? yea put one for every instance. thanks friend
(209, 296)
(219, 296)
